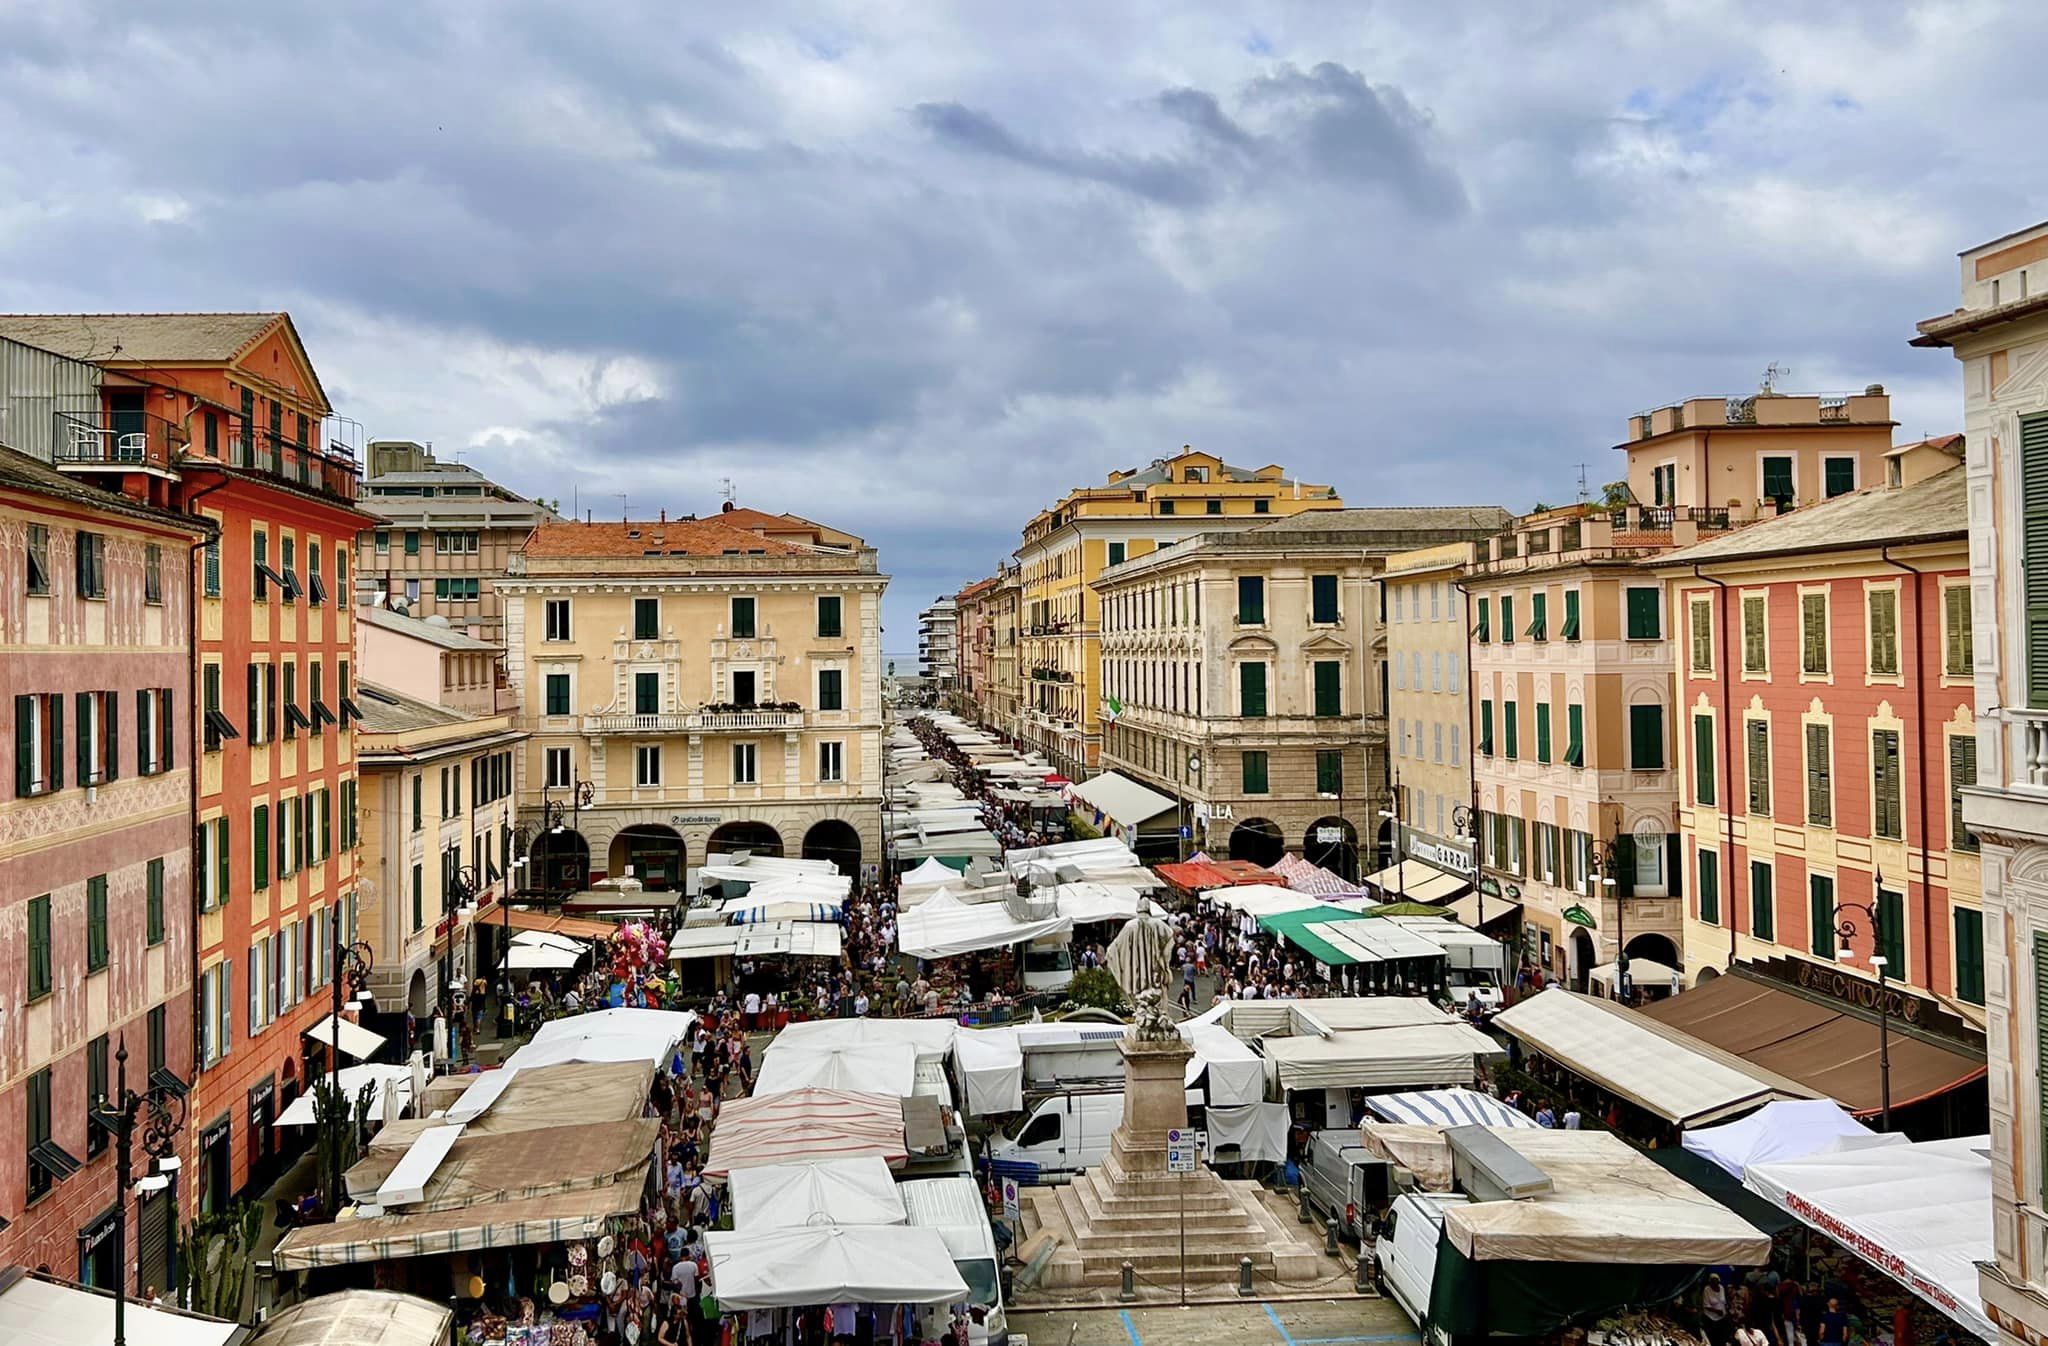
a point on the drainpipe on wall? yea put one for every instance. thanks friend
(1920, 773)
(1727, 766)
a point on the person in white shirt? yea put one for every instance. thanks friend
(752, 1008)
(860, 1005)
(1571, 1119)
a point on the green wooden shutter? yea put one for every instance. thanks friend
(1813, 633)
(1251, 600)
(1485, 632)
(1571, 615)
(1762, 902)
(24, 746)
(1674, 863)
(1323, 598)
(1538, 616)
(1891, 920)
(1642, 614)
(259, 835)
(2034, 560)
(1710, 886)
(1820, 916)
(1962, 771)
(1509, 743)
(1575, 735)
(55, 706)
(1755, 643)
(110, 735)
(1958, 637)
(1329, 687)
(1820, 788)
(1703, 775)
(1884, 631)
(1251, 689)
(1969, 924)
(220, 862)
(1646, 737)
(1758, 734)
(1486, 727)
(1700, 620)
(2040, 1019)
(1542, 731)
(1884, 770)
(1624, 866)
(1507, 619)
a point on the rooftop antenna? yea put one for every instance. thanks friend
(726, 491)
(624, 517)
(1772, 373)
(1585, 494)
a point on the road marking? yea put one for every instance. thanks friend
(1353, 1341)
(1130, 1328)
(1278, 1326)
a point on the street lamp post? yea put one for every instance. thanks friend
(1845, 932)
(1465, 821)
(352, 964)
(1393, 815)
(1195, 771)
(119, 1115)
(1600, 884)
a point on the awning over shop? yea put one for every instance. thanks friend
(943, 926)
(38, 1312)
(1643, 973)
(805, 1124)
(1685, 1082)
(1383, 1058)
(798, 939)
(605, 1035)
(1830, 1050)
(1261, 899)
(1446, 1107)
(852, 1264)
(555, 1218)
(1236, 1076)
(858, 1191)
(355, 1040)
(1122, 800)
(1920, 1214)
(1414, 881)
(1466, 910)
(519, 918)
(352, 1080)
(1307, 929)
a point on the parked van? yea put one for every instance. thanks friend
(1407, 1254)
(1049, 963)
(953, 1207)
(1060, 1137)
(1345, 1181)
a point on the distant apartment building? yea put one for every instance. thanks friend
(975, 645)
(1093, 529)
(694, 687)
(1572, 664)
(998, 708)
(96, 914)
(222, 415)
(426, 658)
(938, 645)
(1999, 333)
(443, 535)
(1240, 677)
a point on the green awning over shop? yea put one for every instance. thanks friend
(1299, 928)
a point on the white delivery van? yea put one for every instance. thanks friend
(954, 1208)
(1060, 1137)
(1407, 1254)
(1049, 963)
(1462, 983)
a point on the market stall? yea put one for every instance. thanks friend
(1782, 1131)
(1385, 1058)
(882, 1265)
(944, 926)
(1446, 1107)
(806, 1124)
(856, 1191)
(876, 1067)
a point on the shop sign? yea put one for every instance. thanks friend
(1452, 858)
(217, 1134)
(1868, 995)
(693, 820)
(1578, 915)
(93, 1235)
(1213, 812)
(1329, 835)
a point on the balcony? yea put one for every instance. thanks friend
(695, 722)
(99, 440)
(330, 474)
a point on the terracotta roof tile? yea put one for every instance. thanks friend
(139, 336)
(677, 537)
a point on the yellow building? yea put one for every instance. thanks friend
(1000, 708)
(696, 686)
(437, 813)
(1092, 528)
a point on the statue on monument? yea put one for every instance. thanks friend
(1141, 960)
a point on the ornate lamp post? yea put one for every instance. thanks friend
(1846, 931)
(1600, 884)
(1393, 815)
(352, 964)
(160, 1112)
(1465, 821)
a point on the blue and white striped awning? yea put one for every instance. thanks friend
(1445, 1107)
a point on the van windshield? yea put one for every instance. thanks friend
(1469, 977)
(980, 1275)
(1059, 958)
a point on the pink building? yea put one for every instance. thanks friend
(96, 810)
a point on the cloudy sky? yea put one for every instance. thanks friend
(914, 268)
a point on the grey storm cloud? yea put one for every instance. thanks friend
(918, 277)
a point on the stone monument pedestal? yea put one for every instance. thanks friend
(1131, 1209)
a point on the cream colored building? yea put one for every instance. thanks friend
(999, 709)
(1095, 528)
(437, 806)
(709, 684)
(1240, 674)
(1999, 332)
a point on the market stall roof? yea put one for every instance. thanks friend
(1236, 1073)
(943, 926)
(1368, 941)
(1826, 1048)
(356, 1040)
(480, 1166)
(857, 1191)
(1122, 800)
(554, 1218)
(1091, 901)
(1466, 910)
(1724, 1187)
(1090, 855)
(1685, 1082)
(36, 1311)
(1446, 1107)
(1415, 881)
(799, 939)
(990, 1065)
(931, 1037)
(357, 1318)
(1201, 875)
(1920, 1213)
(550, 940)
(376, 1075)
(875, 1067)
(1642, 973)
(931, 873)
(520, 918)
(1261, 899)
(1337, 1014)
(1607, 1204)
(805, 1124)
(1381, 1058)
(753, 909)
(857, 1264)
(601, 1035)
(540, 958)
(1786, 1130)
(1306, 877)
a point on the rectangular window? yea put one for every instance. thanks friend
(830, 627)
(1703, 772)
(1507, 619)
(1885, 785)
(1646, 738)
(1212, 506)
(1251, 600)
(1510, 738)
(1543, 731)
(153, 575)
(1486, 728)
(153, 901)
(419, 812)
(745, 764)
(1820, 915)
(1757, 742)
(1958, 637)
(90, 555)
(1322, 590)
(1969, 924)
(1644, 615)
(1700, 629)
(832, 761)
(1329, 676)
(1813, 634)
(1570, 630)
(1962, 772)
(556, 764)
(1329, 771)
(1574, 736)
(96, 923)
(259, 825)
(412, 542)
(1255, 773)
(1251, 689)
(383, 541)
(2034, 566)
(1710, 887)
(1755, 638)
(647, 764)
(1115, 553)
(419, 898)
(1762, 901)
(40, 966)
(646, 694)
(1891, 932)
(1778, 480)
(557, 693)
(1539, 616)
(38, 744)
(97, 1076)
(1664, 484)
(1166, 507)
(1820, 776)
(39, 558)
(1484, 631)
(743, 619)
(646, 619)
(1884, 631)
(43, 1167)
(831, 689)
(556, 611)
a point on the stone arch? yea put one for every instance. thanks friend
(1258, 840)
(836, 840)
(559, 861)
(1340, 857)
(419, 996)
(655, 852)
(746, 834)
(1655, 946)
(1583, 957)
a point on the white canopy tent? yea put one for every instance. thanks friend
(1233, 1074)
(1919, 1213)
(928, 874)
(990, 1065)
(1121, 800)
(800, 939)
(857, 1191)
(382, 1079)
(1782, 1131)
(1261, 899)
(550, 939)
(1383, 1058)
(540, 958)
(355, 1040)
(835, 1264)
(875, 1067)
(932, 1038)
(1643, 974)
(600, 1035)
(1446, 1107)
(944, 926)
(761, 906)
(1095, 855)
(1340, 1014)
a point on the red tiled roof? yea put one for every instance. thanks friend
(677, 537)
(1196, 876)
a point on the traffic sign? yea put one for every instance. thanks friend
(1013, 1209)
(1180, 1158)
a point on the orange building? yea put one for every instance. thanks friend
(222, 415)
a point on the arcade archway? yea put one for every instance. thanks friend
(1257, 840)
(834, 840)
(757, 837)
(559, 862)
(655, 854)
(1332, 843)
